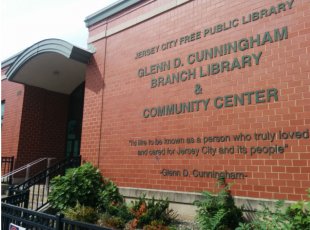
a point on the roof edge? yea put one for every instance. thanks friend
(48, 45)
(108, 11)
(9, 61)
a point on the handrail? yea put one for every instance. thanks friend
(41, 175)
(27, 166)
(21, 199)
(7, 165)
(39, 184)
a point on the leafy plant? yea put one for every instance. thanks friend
(244, 226)
(116, 216)
(82, 184)
(267, 219)
(156, 225)
(151, 213)
(109, 196)
(82, 193)
(112, 203)
(217, 212)
(82, 213)
(299, 214)
(115, 222)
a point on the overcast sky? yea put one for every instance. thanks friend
(25, 22)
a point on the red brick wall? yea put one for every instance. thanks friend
(13, 94)
(115, 98)
(92, 112)
(34, 124)
(43, 126)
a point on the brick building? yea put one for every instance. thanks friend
(172, 95)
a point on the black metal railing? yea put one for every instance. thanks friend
(26, 218)
(39, 185)
(24, 172)
(21, 199)
(7, 164)
(36, 220)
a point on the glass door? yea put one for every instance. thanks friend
(75, 117)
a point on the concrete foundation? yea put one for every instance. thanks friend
(182, 202)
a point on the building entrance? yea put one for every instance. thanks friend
(75, 117)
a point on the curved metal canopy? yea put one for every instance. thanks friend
(51, 64)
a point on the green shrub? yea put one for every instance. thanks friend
(82, 193)
(117, 215)
(299, 214)
(156, 225)
(267, 219)
(151, 212)
(146, 214)
(114, 222)
(296, 217)
(82, 184)
(112, 203)
(109, 196)
(82, 213)
(217, 212)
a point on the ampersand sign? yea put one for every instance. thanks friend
(198, 89)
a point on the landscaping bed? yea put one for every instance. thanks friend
(83, 194)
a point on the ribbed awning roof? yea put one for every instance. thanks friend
(51, 64)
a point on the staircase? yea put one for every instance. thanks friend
(7, 164)
(35, 190)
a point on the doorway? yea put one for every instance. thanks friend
(74, 125)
